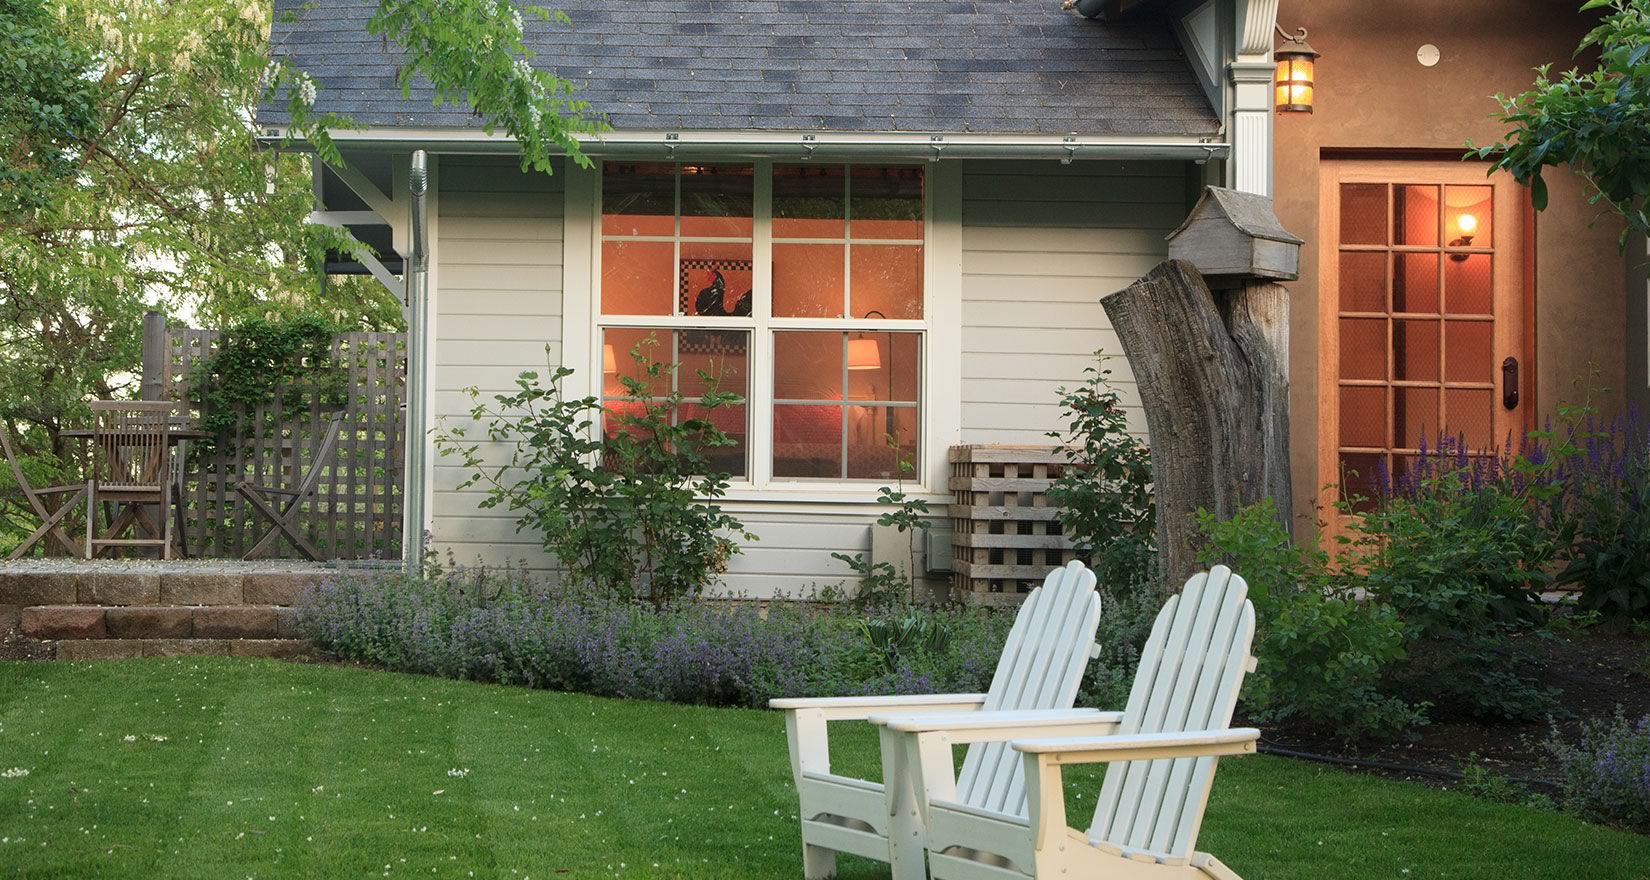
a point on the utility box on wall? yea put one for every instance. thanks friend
(1233, 237)
(892, 546)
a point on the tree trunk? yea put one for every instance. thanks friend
(1212, 370)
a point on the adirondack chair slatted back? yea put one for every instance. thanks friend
(1041, 668)
(1188, 680)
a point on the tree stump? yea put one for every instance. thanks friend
(1212, 371)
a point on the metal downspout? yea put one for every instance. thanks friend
(418, 346)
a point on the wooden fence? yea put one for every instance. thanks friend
(356, 510)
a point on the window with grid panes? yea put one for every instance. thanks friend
(1416, 324)
(800, 286)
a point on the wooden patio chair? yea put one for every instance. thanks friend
(1037, 676)
(285, 519)
(131, 466)
(1161, 753)
(50, 521)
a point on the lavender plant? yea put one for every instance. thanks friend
(1603, 514)
(1605, 774)
(507, 628)
(1575, 495)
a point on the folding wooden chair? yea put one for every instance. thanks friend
(50, 521)
(285, 519)
(131, 465)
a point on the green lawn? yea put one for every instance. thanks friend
(225, 768)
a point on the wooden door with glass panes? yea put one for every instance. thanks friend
(1423, 336)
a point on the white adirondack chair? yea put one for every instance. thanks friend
(1162, 753)
(1037, 676)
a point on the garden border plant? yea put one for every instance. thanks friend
(1323, 654)
(1597, 485)
(624, 497)
(1605, 772)
(506, 627)
(1448, 563)
(1104, 492)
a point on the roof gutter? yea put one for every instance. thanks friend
(792, 144)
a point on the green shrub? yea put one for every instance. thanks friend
(1460, 549)
(1482, 782)
(1126, 617)
(1104, 494)
(630, 509)
(1322, 654)
(1458, 543)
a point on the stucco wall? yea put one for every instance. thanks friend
(1373, 94)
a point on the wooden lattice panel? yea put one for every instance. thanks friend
(356, 511)
(1005, 536)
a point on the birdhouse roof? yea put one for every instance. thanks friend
(1250, 213)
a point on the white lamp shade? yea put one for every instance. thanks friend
(610, 362)
(864, 354)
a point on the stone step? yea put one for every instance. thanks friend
(168, 622)
(139, 584)
(126, 649)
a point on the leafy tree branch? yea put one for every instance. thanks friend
(474, 53)
(1595, 121)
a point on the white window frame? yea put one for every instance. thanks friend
(938, 425)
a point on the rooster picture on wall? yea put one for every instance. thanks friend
(712, 300)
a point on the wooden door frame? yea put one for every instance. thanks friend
(1393, 167)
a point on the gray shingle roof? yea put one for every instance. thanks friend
(1011, 66)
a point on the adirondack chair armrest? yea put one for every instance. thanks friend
(861, 708)
(806, 720)
(1045, 795)
(1140, 746)
(1006, 725)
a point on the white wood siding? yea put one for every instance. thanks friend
(498, 304)
(1042, 243)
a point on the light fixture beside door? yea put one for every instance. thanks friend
(1297, 63)
(1467, 226)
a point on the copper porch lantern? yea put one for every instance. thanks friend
(1296, 61)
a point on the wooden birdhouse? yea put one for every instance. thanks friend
(1233, 237)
